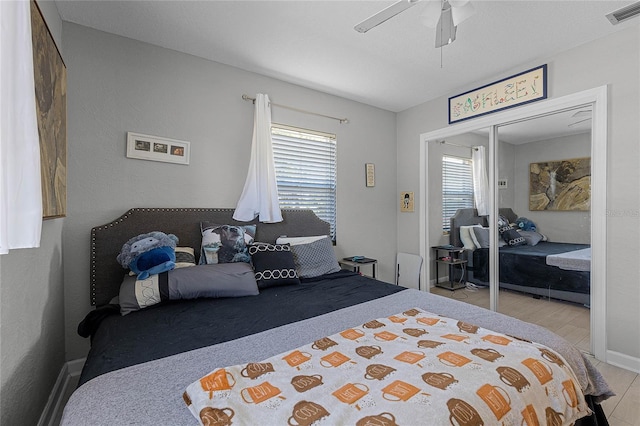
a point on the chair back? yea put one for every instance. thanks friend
(408, 267)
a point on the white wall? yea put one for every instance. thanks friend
(118, 85)
(32, 311)
(558, 226)
(613, 61)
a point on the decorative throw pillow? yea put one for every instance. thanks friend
(185, 257)
(273, 264)
(315, 259)
(225, 243)
(481, 237)
(531, 237)
(508, 234)
(513, 238)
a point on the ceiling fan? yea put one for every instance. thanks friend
(445, 15)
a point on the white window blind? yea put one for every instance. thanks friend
(306, 171)
(457, 187)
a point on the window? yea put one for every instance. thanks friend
(457, 187)
(306, 171)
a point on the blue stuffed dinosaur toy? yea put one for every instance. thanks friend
(149, 254)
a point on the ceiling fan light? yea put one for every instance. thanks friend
(461, 13)
(445, 30)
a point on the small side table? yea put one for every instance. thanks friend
(355, 265)
(455, 259)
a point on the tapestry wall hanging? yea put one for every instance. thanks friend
(560, 185)
(50, 75)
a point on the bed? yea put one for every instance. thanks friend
(549, 269)
(151, 366)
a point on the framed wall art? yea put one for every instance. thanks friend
(406, 202)
(156, 148)
(523, 88)
(50, 78)
(562, 185)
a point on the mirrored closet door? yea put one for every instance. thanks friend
(546, 172)
(542, 188)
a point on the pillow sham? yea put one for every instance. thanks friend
(466, 238)
(315, 258)
(225, 243)
(298, 240)
(531, 237)
(273, 265)
(481, 235)
(212, 281)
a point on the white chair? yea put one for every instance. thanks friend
(408, 268)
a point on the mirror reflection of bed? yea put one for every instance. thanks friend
(546, 282)
(542, 281)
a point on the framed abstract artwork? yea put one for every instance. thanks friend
(562, 185)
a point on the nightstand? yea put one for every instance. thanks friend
(355, 265)
(454, 258)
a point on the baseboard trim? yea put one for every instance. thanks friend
(55, 403)
(623, 361)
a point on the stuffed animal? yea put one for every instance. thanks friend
(149, 254)
(525, 224)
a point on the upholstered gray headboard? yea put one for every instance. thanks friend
(107, 240)
(465, 217)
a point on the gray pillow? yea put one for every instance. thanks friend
(315, 259)
(216, 280)
(531, 237)
(482, 236)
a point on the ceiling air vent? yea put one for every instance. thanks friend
(625, 13)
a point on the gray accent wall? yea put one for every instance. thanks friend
(32, 310)
(118, 85)
(612, 61)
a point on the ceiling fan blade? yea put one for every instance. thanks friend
(384, 15)
(461, 12)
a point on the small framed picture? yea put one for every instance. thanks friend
(406, 201)
(156, 148)
(370, 174)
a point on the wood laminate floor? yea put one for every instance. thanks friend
(570, 321)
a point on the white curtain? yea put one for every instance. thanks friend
(480, 180)
(20, 187)
(260, 194)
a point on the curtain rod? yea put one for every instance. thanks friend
(443, 142)
(341, 120)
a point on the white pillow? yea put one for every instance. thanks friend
(468, 238)
(294, 241)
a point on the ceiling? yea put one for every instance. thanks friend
(313, 44)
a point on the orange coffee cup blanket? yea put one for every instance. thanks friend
(394, 371)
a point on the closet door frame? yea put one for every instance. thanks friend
(597, 99)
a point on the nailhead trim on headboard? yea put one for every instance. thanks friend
(107, 240)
